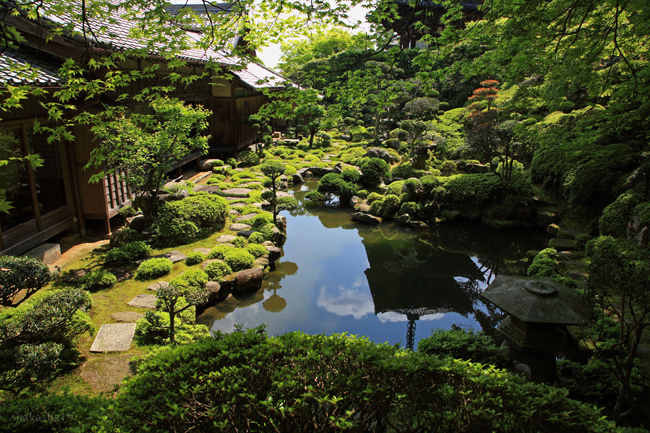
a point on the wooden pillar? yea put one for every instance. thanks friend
(31, 179)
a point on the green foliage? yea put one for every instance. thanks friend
(616, 215)
(375, 196)
(247, 158)
(256, 250)
(404, 170)
(466, 345)
(374, 171)
(395, 188)
(21, 273)
(335, 184)
(447, 168)
(250, 382)
(544, 264)
(290, 169)
(97, 280)
(128, 211)
(191, 279)
(260, 220)
(411, 208)
(217, 270)
(315, 197)
(153, 268)
(353, 156)
(231, 162)
(362, 194)
(256, 238)
(183, 221)
(194, 258)
(219, 251)
(581, 241)
(153, 329)
(429, 183)
(350, 174)
(387, 207)
(240, 242)
(127, 253)
(238, 260)
(476, 191)
(37, 338)
(51, 413)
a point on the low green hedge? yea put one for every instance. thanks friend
(154, 268)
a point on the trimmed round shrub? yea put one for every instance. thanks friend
(191, 279)
(154, 268)
(256, 250)
(448, 168)
(248, 158)
(350, 174)
(25, 273)
(260, 220)
(462, 344)
(217, 270)
(395, 188)
(240, 242)
(98, 280)
(411, 208)
(429, 183)
(289, 170)
(389, 205)
(255, 238)
(362, 194)
(128, 253)
(183, 221)
(238, 260)
(375, 196)
(194, 258)
(219, 251)
(217, 163)
(404, 170)
(231, 162)
(128, 211)
(374, 171)
(544, 264)
(581, 241)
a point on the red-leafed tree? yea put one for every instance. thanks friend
(485, 135)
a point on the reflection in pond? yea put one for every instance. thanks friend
(339, 276)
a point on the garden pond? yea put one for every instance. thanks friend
(388, 283)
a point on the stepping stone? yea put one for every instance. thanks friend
(234, 199)
(236, 192)
(199, 176)
(233, 212)
(121, 274)
(250, 183)
(127, 316)
(174, 256)
(204, 251)
(143, 301)
(247, 217)
(238, 204)
(212, 189)
(239, 227)
(225, 238)
(114, 337)
(155, 286)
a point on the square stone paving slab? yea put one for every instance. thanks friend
(114, 337)
(143, 301)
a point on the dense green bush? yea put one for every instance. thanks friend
(247, 381)
(544, 264)
(247, 158)
(21, 273)
(335, 184)
(260, 220)
(374, 196)
(411, 208)
(466, 345)
(385, 208)
(128, 211)
(395, 188)
(217, 270)
(477, 191)
(353, 156)
(429, 183)
(581, 241)
(97, 280)
(154, 328)
(447, 168)
(616, 215)
(219, 251)
(127, 253)
(154, 268)
(256, 250)
(404, 170)
(191, 279)
(37, 338)
(183, 221)
(256, 238)
(231, 162)
(240, 242)
(374, 171)
(238, 260)
(194, 258)
(350, 174)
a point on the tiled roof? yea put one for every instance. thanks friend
(18, 69)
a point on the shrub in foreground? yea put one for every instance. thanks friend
(128, 253)
(21, 273)
(247, 381)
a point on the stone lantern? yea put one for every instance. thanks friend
(537, 308)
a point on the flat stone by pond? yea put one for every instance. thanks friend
(236, 192)
(239, 227)
(114, 337)
(143, 301)
(238, 204)
(246, 217)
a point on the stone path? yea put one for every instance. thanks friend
(247, 217)
(225, 238)
(240, 227)
(237, 192)
(143, 301)
(213, 189)
(239, 204)
(126, 316)
(205, 251)
(114, 337)
(174, 256)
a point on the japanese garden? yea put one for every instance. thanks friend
(281, 216)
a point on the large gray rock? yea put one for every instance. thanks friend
(297, 178)
(175, 256)
(246, 217)
(204, 251)
(248, 280)
(362, 207)
(281, 220)
(206, 164)
(337, 169)
(378, 152)
(212, 189)
(127, 316)
(274, 253)
(365, 218)
(261, 262)
(213, 289)
(114, 337)
(143, 301)
(236, 192)
(137, 223)
(355, 200)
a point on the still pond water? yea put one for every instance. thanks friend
(380, 282)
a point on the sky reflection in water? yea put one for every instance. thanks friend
(338, 276)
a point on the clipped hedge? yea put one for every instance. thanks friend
(127, 253)
(239, 259)
(247, 381)
(217, 270)
(154, 268)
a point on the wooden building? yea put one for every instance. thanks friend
(57, 195)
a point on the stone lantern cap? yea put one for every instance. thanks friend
(534, 300)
